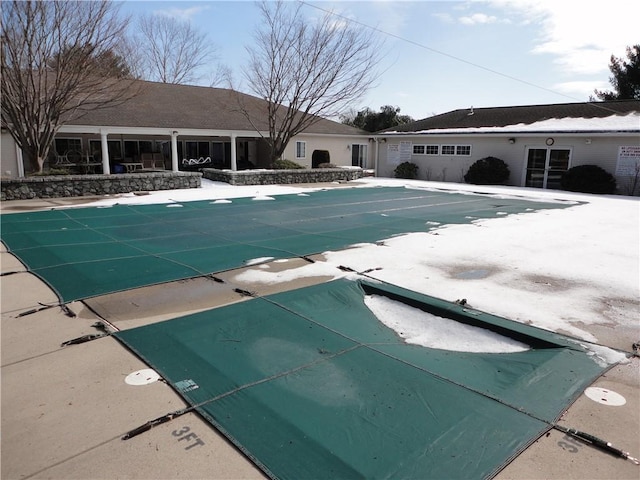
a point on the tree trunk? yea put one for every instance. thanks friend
(40, 163)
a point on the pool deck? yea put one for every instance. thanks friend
(65, 408)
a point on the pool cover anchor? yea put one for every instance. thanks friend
(92, 336)
(597, 442)
(363, 273)
(67, 311)
(245, 293)
(152, 423)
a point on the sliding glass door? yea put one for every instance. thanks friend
(545, 166)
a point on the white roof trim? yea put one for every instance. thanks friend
(615, 123)
(112, 130)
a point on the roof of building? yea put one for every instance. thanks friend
(587, 116)
(163, 105)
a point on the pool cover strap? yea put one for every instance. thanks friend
(310, 384)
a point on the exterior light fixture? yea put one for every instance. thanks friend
(512, 141)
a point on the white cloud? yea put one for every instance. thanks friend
(394, 15)
(184, 14)
(581, 37)
(583, 88)
(444, 17)
(477, 18)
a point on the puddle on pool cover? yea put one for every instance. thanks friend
(473, 274)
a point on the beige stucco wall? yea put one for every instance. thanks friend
(599, 150)
(339, 149)
(8, 156)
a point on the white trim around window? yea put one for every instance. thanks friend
(456, 150)
(432, 149)
(301, 149)
(426, 149)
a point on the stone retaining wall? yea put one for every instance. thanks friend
(82, 185)
(278, 177)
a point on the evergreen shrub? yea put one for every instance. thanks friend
(487, 171)
(406, 170)
(286, 165)
(588, 179)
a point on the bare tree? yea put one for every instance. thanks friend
(172, 50)
(51, 58)
(307, 71)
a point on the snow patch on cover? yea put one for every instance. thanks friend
(604, 356)
(422, 328)
(255, 261)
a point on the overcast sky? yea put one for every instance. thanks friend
(445, 55)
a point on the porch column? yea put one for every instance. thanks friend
(105, 153)
(19, 161)
(174, 151)
(234, 164)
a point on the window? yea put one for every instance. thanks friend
(64, 145)
(131, 150)
(95, 148)
(463, 149)
(197, 149)
(448, 149)
(301, 149)
(432, 149)
(418, 149)
(114, 149)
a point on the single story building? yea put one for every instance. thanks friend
(184, 127)
(538, 142)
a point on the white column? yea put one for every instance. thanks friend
(19, 161)
(174, 151)
(234, 164)
(105, 153)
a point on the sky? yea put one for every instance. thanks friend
(573, 270)
(440, 56)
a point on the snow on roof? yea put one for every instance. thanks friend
(612, 123)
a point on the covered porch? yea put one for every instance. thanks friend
(83, 150)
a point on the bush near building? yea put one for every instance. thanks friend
(588, 179)
(283, 164)
(406, 170)
(487, 171)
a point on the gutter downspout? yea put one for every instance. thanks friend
(376, 159)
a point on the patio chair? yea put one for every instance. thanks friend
(158, 160)
(75, 157)
(152, 160)
(62, 160)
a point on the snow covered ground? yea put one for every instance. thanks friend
(574, 270)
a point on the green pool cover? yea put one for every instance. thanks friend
(309, 384)
(86, 252)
